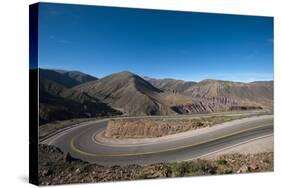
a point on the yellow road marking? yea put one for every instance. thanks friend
(159, 151)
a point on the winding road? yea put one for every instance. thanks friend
(81, 142)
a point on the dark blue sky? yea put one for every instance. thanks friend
(160, 44)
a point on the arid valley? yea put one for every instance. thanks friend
(125, 126)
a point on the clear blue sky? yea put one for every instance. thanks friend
(160, 44)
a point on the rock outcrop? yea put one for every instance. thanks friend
(139, 128)
(148, 128)
(53, 170)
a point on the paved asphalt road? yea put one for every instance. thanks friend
(80, 142)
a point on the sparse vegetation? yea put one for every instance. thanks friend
(56, 168)
(192, 168)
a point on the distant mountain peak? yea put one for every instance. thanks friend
(66, 78)
(135, 95)
(212, 80)
(125, 74)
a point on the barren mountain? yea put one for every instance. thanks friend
(57, 102)
(132, 94)
(218, 95)
(80, 77)
(169, 84)
(255, 92)
(66, 78)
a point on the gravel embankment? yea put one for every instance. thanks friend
(58, 168)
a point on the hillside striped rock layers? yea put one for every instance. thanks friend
(72, 94)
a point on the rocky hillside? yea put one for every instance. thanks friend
(56, 167)
(66, 78)
(233, 93)
(78, 76)
(176, 86)
(132, 95)
(72, 94)
(58, 102)
(235, 90)
(217, 95)
(151, 128)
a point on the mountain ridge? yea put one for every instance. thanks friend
(127, 91)
(133, 95)
(59, 102)
(66, 78)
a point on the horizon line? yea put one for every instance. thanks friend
(163, 78)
